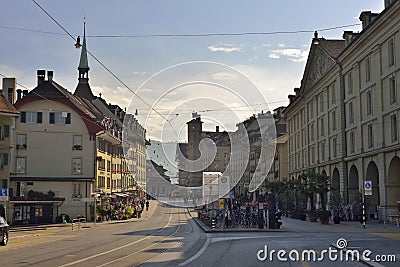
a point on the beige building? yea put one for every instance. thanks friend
(54, 160)
(343, 119)
(8, 116)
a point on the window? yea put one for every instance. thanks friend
(351, 113)
(76, 166)
(60, 118)
(333, 120)
(21, 141)
(352, 144)
(350, 83)
(101, 182)
(102, 164)
(76, 190)
(334, 147)
(322, 127)
(393, 123)
(312, 154)
(77, 142)
(392, 90)
(369, 103)
(31, 117)
(367, 69)
(391, 51)
(333, 93)
(3, 160)
(370, 136)
(21, 165)
(312, 109)
(312, 131)
(321, 102)
(108, 183)
(322, 151)
(108, 165)
(4, 131)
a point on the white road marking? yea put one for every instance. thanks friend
(117, 248)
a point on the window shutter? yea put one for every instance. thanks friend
(6, 130)
(52, 119)
(39, 117)
(5, 159)
(23, 117)
(68, 119)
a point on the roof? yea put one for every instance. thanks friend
(7, 107)
(332, 47)
(52, 91)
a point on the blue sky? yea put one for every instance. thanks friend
(274, 62)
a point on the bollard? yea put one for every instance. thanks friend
(72, 226)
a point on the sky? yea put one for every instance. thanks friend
(225, 78)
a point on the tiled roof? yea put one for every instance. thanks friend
(332, 47)
(6, 106)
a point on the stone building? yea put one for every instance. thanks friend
(343, 120)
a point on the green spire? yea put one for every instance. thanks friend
(83, 62)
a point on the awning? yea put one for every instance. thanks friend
(121, 195)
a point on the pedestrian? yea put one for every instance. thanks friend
(142, 204)
(147, 205)
(139, 212)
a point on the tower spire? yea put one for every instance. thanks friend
(83, 89)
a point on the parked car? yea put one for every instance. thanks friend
(4, 229)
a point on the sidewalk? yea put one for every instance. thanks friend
(29, 229)
(295, 225)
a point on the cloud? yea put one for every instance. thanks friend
(226, 48)
(294, 55)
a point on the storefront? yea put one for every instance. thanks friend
(35, 212)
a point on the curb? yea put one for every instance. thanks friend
(232, 230)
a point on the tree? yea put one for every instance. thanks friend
(316, 183)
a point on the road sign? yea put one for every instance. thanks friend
(3, 192)
(368, 188)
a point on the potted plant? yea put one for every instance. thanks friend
(312, 215)
(336, 204)
(324, 216)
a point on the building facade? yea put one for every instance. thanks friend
(343, 120)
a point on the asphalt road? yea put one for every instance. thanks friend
(106, 244)
(168, 236)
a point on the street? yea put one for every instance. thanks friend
(169, 236)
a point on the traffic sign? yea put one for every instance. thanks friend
(368, 188)
(3, 192)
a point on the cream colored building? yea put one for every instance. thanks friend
(343, 119)
(8, 116)
(54, 160)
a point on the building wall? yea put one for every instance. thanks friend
(49, 155)
(366, 80)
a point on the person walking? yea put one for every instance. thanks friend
(147, 205)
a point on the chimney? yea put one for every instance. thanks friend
(348, 37)
(19, 94)
(217, 129)
(40, 76)
(389, 2)
(50, 74)
(291, 98)
(297, 91)
(9, 89)
(24, 93)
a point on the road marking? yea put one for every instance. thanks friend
(198, 254)
(117, 248)
(107, 263)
